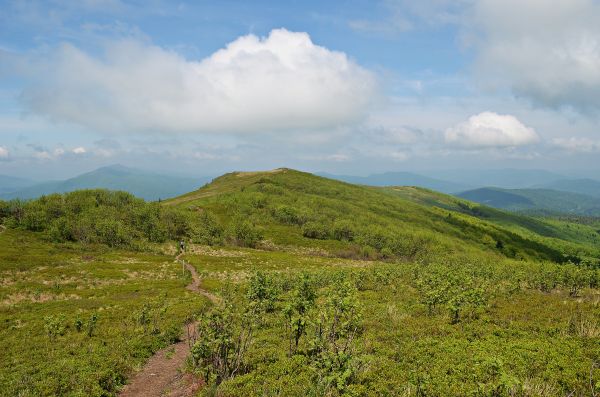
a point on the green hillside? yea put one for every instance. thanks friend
(302, 286)
(295, 208)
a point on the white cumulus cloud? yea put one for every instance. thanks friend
(546, 51)
(280, 82)
(3, 152)
(489, 129)
(79, 150)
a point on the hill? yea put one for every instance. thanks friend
(296, 208)
(147, 185)
(538, 200)
(589, 187)
(317, 286)
(10, 184)
(504, 178)
(401, 179)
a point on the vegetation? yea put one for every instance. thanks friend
(527, 200)
(324, 288)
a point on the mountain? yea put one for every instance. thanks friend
(590, 187)
(544, 200)
(401, 179)
(292, 208)
(504, 178)
(10, 184)
(147, 185)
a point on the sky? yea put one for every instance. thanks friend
(349, 87)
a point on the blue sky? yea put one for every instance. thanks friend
(349, 87)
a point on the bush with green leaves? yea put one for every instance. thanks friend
(315, 230)
(332, 349)
(117, 219)
(243, 232)
(55, 325)
(224, 336)
(296, 311)
(262, 292)
(207, 229)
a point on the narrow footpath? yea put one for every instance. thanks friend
(163, 376)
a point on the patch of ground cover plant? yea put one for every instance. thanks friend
(85, 317)
(498, 328)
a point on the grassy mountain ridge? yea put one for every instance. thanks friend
(298, 208)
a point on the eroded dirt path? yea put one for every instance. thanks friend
(162, 375)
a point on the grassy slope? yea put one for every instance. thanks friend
(525, 338)
(528, 335)
(565, 235)
(39, 279)
(454, 224)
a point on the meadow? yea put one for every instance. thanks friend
(325, 288)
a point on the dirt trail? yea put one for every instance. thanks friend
(162, 375)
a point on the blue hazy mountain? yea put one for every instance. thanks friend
(10, 183)
(144, 184)
(590, 187)
(504, 178)
(535, 200)
(402, 179)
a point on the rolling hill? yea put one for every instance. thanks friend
(589, 187)
(10, 184)
(147, 185)
(536, 200)
(300, 209)
(469, 292)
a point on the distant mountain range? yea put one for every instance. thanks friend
(402, 179)
(10, 184)
(144, 184)
(535, 200)
(508, 178)
(588, 187)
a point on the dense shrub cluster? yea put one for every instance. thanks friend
(116, 219)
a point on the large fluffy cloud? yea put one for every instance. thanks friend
(546, 51)
(280, 82)
(489, 129)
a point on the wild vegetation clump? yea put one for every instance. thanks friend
(117, 219)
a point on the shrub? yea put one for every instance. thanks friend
(343, 231)
(243, 233)
(315, 230)
(222, 343)
(296, 311)
(262, 293)
(208, 230)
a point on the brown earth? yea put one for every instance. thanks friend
(163, 375)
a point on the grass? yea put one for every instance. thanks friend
(70, 282)
(77, 319)
(522, 340)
